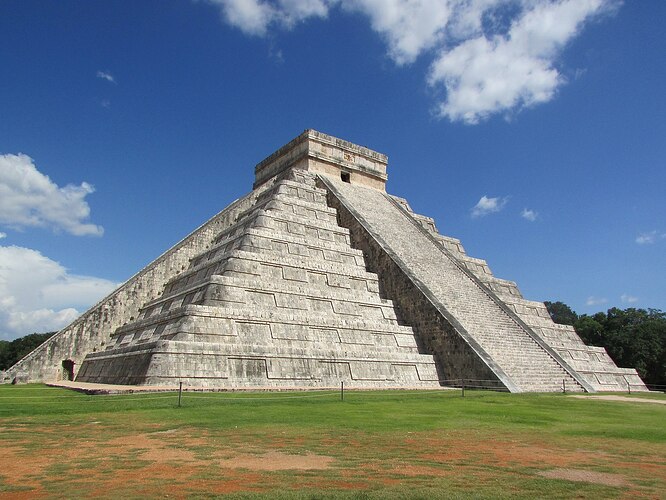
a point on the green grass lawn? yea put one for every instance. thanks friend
(396, 444)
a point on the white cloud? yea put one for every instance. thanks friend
(488, 56)
(628, 299)
(650, 237)
(487, 206)
(254, 17)
(37, 294)
(529, 214)
(29, 198)
(595, 301)
(408, 26)
(105, 75)
(3, 235)
(493, 73)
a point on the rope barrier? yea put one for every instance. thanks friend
(225, 397)
(91, 399)
(257, 398)
(229, 396)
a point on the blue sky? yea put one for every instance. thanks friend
(533, 130)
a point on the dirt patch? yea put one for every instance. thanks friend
(21, 470)
(163, 455)
(110, 461)
(503, 453)
(586, 476)
(420, 470)
(275, 460)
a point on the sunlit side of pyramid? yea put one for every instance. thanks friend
(317, 277)
(280, 299)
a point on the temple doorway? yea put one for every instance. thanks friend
(68, 369)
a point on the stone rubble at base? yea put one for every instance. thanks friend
(318, 277)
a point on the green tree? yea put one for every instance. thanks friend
(11, 352)
(634, 338)
(590, 330)
(561, 313)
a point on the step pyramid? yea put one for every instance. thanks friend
(318, 277)
(279, 300)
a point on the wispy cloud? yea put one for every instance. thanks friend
(628, 299)
(37, 294)
(254, 17)
(529, 214)
(487, 206)
(650, 237)
(579, 73)
(28, 198)
(105, 75)
(595, 301)
(3, 235)
(486, 56)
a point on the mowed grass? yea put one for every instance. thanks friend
(397, 444)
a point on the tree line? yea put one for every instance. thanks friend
(634, 338)
(11, 352)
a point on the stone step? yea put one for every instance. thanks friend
(323, 301)
(285, 222)
(256, 261)
(278, 316)
(290, 223)
(210, 368)
(227, 243)
(297, 285)
(296, 189)
(203, 291)
(504, 289)
(296, 206)
(317, 207)
(222, 293)
(255, 345)
(242, 262)
(262, 240)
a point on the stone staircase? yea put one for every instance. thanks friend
(279, 300)
(591, 362)
(523, 357)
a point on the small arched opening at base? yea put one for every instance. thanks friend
(68, 369)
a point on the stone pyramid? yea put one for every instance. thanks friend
(280, 299)
(317, 277)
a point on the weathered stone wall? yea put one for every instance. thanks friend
(91, 331)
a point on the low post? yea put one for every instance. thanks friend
(342, 391)
(463, 387)
(180, 392)
(629, 387)
(564, 386)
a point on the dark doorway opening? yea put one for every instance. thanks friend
(345, 176)
(68, 369)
